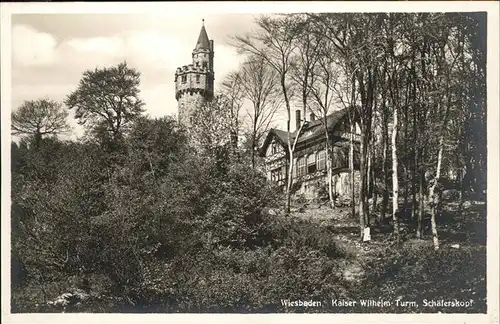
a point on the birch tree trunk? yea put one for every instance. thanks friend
(421, 197)
(289, 178)
(369, 176)
(351, 167)
(329, 168)
(385, 195)
(362, 192)
(436, 196)
(434, 199)
(385, 162)
(395, 184)
(290, 148)
(413, 170)
(373, 184)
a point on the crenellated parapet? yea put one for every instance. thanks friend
(193, 79)
(190, 68)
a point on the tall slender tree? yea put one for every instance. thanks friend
(259, 83)
(274, 42)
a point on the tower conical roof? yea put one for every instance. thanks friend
(203, 42)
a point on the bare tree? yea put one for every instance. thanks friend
(322, 88)
(306, 59)
(259, 85)
(274, 42)
(233, 91)
(40, 118)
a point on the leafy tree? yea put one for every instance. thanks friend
(213, 129)
(107, 100)
(38, 118)
(56, 193)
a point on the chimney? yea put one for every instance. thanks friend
(312, 117)
(297, 119)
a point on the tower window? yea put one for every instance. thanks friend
(184, 78)
(197, 78)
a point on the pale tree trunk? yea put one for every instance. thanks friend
(434, 199)
(385, 162)
(291, 150)
(395, 184)
(254, 143)
(373, 186)
(362, 192)
(329, 169)
(415, 143)
(406, 164)
(351, 166)
(421, 197)
(414, 182)
(385, 196)
(289, 179)
(461, 192)
(369, 180)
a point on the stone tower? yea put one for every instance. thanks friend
(194, 83)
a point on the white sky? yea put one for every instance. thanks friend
(51, 51)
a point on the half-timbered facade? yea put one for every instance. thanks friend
(310, 176)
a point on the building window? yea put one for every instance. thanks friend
(321, 160)
(205, 65)
(274, 148)
(311, 163)
(184, 78)
(197, 64)
(197, 78)
(301, 166)
(277, 175)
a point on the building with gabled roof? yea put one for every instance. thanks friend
(310, 166)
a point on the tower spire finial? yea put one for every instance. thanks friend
(203, 21)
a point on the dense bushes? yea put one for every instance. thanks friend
(156, 225)
(416, 271)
